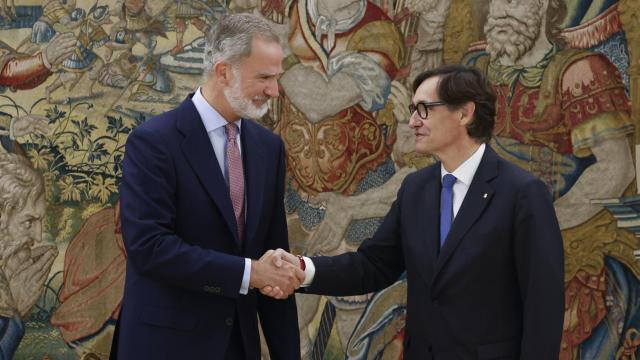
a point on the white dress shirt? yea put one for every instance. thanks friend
(464, 175)
(214, 123)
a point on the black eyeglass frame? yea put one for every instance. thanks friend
(425, 105)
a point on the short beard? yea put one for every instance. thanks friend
(521, 34)
(240, 104)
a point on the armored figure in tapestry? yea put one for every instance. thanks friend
(91, 35)
(345, 55)
(563, 114)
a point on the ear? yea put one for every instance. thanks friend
(223, 73)
(466, 113)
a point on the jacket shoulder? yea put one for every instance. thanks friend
(420, 177)
(514, 174)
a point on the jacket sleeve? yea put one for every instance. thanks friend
(540, 265)
(378, 262)
(148, 214)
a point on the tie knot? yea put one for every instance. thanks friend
(448, 181)
(231, 130)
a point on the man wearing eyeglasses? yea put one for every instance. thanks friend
(477, 237)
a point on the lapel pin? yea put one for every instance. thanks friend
(484, 196)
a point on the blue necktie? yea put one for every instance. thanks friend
(446, 206)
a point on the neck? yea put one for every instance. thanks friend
(216, 98)
(453, 158)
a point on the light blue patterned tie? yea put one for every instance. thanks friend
(446, 206)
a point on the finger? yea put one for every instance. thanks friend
(45, 260)
(66, 36)
(288, 257)
(276, 293)
(15, 265)
(42, 276)
(38, 251)
(278, 254)
(33, 118)
(42, 129)
(300, 275)
(66, 45)
(266, 290)
(266, 254)
(42, 123)
(19, 259)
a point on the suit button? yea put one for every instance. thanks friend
(229, 321)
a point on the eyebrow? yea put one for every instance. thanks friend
(271, 74)
(30, 215)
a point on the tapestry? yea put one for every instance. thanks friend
(77, 76)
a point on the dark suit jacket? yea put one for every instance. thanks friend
(185, 262)
(495, 289)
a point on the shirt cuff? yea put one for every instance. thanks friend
(246, 277)
(309, 272)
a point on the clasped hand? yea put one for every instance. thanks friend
(277, 274)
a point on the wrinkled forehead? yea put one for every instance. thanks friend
(34, 203)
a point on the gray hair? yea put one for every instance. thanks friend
(231, 38)
(18, 182)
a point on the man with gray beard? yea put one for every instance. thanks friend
(202, 199)
(24, 262)
(563, 114)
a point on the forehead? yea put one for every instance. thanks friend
(266, 56)
(35, 205)
(427, 91)
(522, 5)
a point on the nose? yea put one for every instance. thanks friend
(414, 121)
(36, 233)
(272, 88)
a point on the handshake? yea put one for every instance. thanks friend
(277, 274)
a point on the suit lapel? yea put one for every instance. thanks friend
(477, 199)
(428, 239)
(199, 153)
(254, 174)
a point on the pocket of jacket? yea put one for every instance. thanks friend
(502, 350)
(168, 318)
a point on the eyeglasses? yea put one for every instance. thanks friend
(423, 107)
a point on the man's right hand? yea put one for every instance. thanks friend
(60, 48)
(278, 272)
(29, 124)
(27, 271)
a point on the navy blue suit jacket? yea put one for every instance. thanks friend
(185, 262)
(494, 291)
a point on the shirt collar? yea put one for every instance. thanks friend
(211, 118)
(465, 172)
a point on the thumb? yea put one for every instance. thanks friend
(278, 254)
